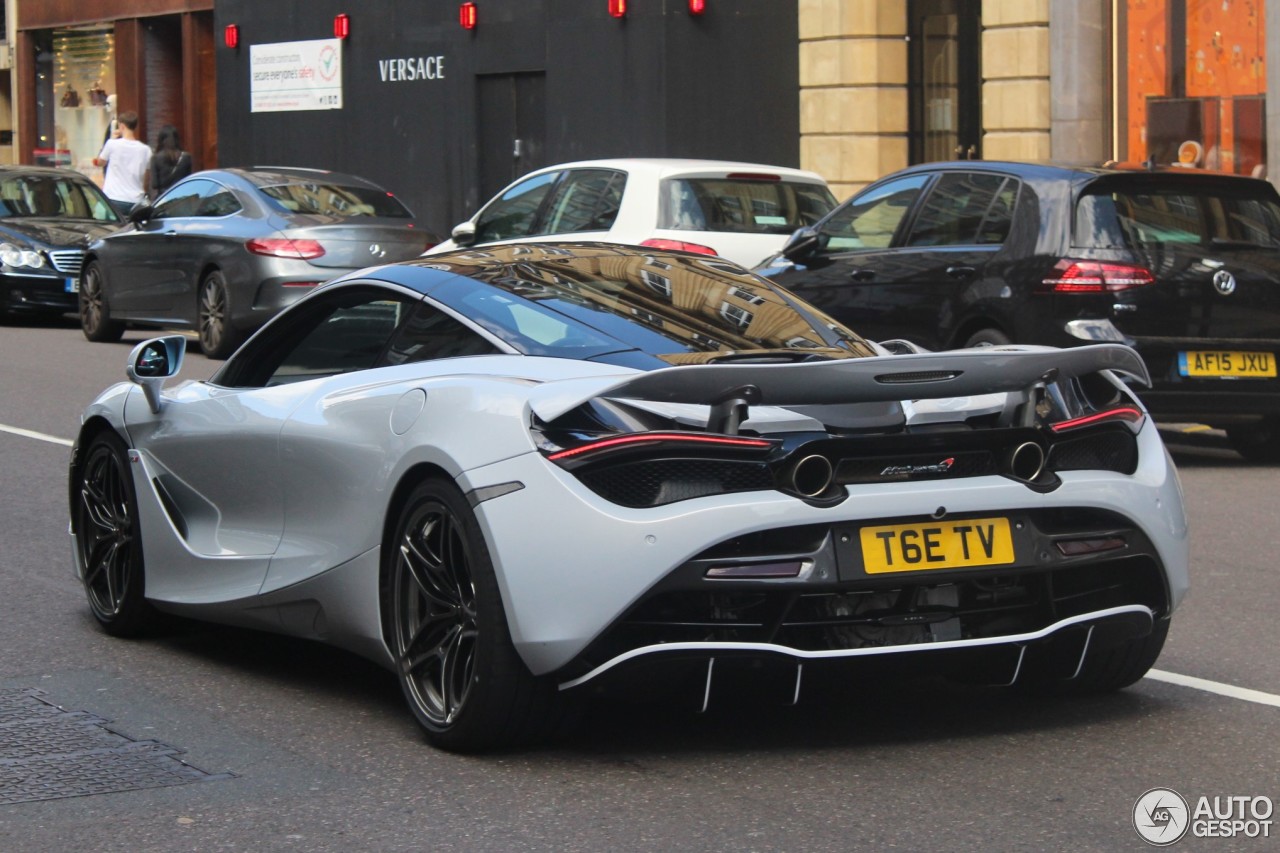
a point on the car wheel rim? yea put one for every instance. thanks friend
(436, 629)
(213, 305)
(105, 531)
(91, 300)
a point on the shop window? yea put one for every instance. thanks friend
(1193, 81)
(75, 74)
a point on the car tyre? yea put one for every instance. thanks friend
(95, 311)
(1257, 442)
(217, 339)
(987, 338)
(447, 629)
(109, 540)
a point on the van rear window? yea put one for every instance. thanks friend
(1118, 217)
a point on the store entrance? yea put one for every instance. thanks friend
(511, 112)
(945, 85)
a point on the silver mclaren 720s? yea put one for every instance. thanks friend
(513, 473)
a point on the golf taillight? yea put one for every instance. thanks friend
(280, 247)
(679, 246)
(1070, 276)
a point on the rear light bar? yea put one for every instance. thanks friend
(280, 247)
(1127, 414)
(751, 176)
(679, 246)
(1095, 277)
(676, 438)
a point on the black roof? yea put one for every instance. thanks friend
(1075, 173)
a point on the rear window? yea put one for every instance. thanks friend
(335, 200)
(1114, 217)
(744, 206)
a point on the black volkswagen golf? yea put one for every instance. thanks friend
(1182, 264)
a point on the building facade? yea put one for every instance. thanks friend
(447, 115)
(445, 109)
(76, 63)
(886, 83)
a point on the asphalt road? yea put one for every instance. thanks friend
(319, 752)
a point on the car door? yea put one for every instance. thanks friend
(346, 435)
(855, 255)
(940, 267)
(144, 265)
(215, 451)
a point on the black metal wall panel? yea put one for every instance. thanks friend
(657, 83)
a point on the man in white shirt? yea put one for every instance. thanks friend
(126, 181)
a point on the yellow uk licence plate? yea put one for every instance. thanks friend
(937, 545)
(1226, 363)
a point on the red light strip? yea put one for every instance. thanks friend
(646, 437)
(1127, 413)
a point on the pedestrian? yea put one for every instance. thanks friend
(126, 181)
(170, 163)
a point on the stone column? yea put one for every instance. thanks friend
(853, 90)
(1080, 80)
(1272, 98)
(1015, 80)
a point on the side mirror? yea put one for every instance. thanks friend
(801, 245)
(464, 234)
(140, 213)
(154, 361)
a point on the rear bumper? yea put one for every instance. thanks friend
(1070, 640)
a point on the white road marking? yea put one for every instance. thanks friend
(27, 433)
(1228, 690)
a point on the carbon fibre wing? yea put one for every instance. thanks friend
(958, 373)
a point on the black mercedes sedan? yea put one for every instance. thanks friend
(47, 218)
(225, 250)
(1183, 265)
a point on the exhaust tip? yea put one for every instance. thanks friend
(1026, 462)
(812, 476)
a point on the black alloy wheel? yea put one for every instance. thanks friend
(459, 671)
(95, 312)
(217, 339)
(109, 541)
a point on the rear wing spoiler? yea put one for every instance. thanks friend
(960, 373)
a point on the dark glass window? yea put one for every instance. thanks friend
(337, 332)
(869, 220)
(429, 333)
(327, 199)
(586, 200)
(1204, 213)
(44, 195)
(515, 213)
(742, 205)
(184, 199)
(956, 207)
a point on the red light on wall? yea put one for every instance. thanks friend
(697, 7)
(618, 8)
(467, 16)
(231, 36)
(341, 25)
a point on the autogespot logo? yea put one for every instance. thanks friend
(1161, 816)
